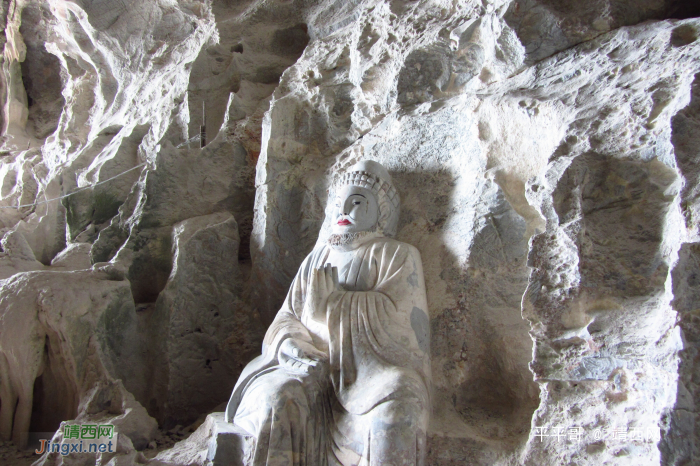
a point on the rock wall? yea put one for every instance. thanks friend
(546, 155)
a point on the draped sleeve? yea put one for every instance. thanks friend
(287, 324)
(380, 337)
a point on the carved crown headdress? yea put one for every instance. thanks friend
(373, 176)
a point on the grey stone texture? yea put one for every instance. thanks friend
(546, 155)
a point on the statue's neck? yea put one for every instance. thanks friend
(351, 241)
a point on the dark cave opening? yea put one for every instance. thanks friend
(682, 9)
(55, 397)
(41, 74)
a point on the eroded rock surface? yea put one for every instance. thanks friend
(546, 154)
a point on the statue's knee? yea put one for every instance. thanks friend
(398, 412)
(395, 432)
(291, 386)
(290, 390)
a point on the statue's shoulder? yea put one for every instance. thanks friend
(386, 244)
(312, 258)
(317, 252)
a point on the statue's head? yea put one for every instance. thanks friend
(365, 201)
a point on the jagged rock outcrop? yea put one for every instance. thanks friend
(211, 331)
(546, 154)
(63, 334)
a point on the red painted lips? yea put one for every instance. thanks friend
(344, 222)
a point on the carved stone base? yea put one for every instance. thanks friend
(229, 445)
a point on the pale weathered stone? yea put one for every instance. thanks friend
(66, 332)
(209, 329)
(216, 442)
(229, 445)
(545, 152)
(76, 256)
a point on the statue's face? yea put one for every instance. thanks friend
(356, 210)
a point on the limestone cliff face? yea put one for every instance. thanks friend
(547, 154)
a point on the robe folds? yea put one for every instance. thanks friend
(375, 332)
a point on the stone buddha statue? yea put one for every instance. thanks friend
(344, 374)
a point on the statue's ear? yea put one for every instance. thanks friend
(388, 217)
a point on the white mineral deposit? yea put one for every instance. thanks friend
(528, 178)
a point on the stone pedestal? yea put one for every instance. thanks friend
(229, 444)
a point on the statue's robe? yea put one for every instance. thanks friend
(376, 334)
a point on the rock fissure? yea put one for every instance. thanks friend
(546, 157)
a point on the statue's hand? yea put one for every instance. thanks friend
(324, 281)
(301, 356)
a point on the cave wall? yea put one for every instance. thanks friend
(546, 157)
